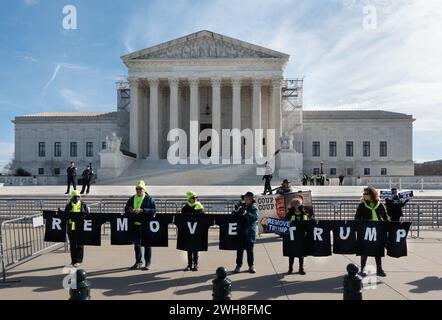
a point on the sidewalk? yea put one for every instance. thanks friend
(417, 276)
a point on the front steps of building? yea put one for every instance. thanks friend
(161, 172)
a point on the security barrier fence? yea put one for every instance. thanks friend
(22, 226)
(21, 239)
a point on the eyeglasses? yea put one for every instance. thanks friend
(194, 198)
(138, 189)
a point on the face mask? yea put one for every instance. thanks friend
(367, 197)
(75, 199)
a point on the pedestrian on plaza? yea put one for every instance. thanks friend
(267, 177)
(71, 174)
(341, 180)
(250, 212)
(296, 213)
(77, 207)
(371, 209)
(192, 207)
(87, 178)
(304, 179)
(140, 204)
(394, 205)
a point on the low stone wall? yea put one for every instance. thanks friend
(32, 181)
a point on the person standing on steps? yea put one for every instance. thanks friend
(87, 178)
(71, 175)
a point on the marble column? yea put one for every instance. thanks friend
(153, 119)
(174, 88)
(194, 120)
(216, 108)
(256, 118)
(236, 103)
(134, 116)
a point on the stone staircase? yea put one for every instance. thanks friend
(161, 172)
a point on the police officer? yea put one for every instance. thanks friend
(250, 211)
(75, 206)
(296, 212)
(394, 205)
(371, 209)
(71, 174)
(87, 178)
(139, 204)
(192, 207)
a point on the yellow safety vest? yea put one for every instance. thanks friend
(196, 204)
(374, 215)
(304, 217)
(138, 201)
(75, 208)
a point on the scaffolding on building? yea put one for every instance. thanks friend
(292, 100)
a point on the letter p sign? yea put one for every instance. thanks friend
(70, 18)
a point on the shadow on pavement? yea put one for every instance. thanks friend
(426, 284)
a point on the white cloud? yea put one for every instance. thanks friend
(30, 3)
(27, 58)
(76, 100)
(57, 69)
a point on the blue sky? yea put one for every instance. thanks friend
(395, 66)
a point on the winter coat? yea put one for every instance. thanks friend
(363, 213)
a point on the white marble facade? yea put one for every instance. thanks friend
(222, 83)
(173, 83)
(51, 130)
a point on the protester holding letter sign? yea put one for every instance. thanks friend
(395, 203)
(250, 212)
(296, 213)
(371, 209)
(140, 203)
(79, 208)
(192, 207)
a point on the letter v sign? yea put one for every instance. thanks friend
(192, 227)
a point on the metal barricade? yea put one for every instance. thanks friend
(21, 239)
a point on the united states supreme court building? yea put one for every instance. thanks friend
(210, 81)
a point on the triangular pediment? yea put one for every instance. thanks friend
(204, 45)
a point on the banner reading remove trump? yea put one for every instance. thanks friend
(304, 238)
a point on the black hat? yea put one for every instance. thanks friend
(248, 194)
(285, 181)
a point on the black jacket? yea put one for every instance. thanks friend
(394, 207)
(191, 210)
(71, 171)
(87, 174)
(363, 213)
(148, 205)
(282, 190)
(84, 209)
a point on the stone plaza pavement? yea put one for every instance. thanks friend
(417, 276)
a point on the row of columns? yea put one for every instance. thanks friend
(275, 117)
